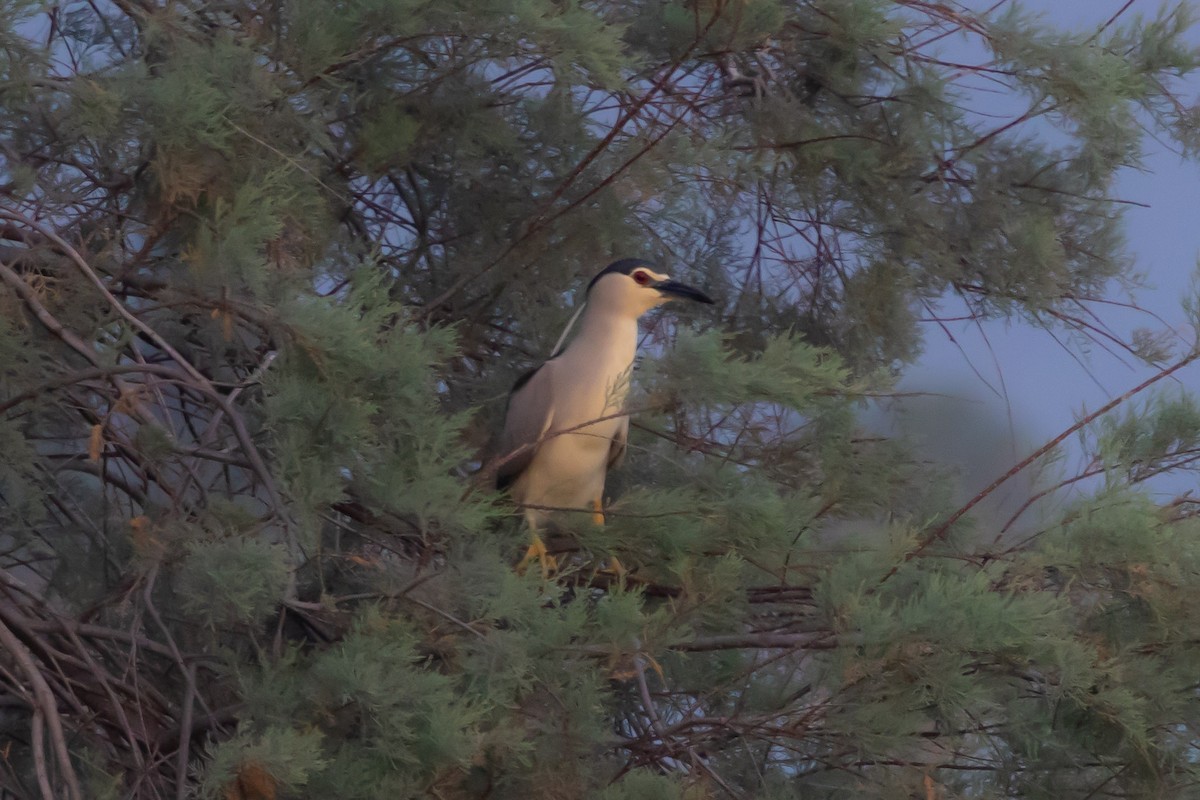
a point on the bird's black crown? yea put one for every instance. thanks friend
(622, 267)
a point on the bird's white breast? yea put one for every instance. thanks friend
(590, 382)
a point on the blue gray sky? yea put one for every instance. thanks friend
(1035, 387)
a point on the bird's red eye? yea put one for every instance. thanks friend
(642, 278)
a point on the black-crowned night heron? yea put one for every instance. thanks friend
(564, 428)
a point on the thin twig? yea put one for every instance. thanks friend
(185, 734)
(941, 531)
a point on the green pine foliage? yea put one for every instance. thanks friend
(267, 271)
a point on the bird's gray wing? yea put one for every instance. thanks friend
(530, 412)
(616, 451)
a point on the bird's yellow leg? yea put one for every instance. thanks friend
(537, 551)
(614, 566)
(597, 512)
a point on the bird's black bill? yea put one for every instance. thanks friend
(677, 289)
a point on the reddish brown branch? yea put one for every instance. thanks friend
(45, 711)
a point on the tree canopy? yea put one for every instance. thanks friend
(267, 270)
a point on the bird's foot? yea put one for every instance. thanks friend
(537, 552)
(613, 566)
